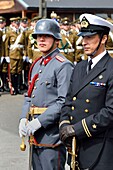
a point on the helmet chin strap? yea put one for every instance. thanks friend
(49, 51)
(94, 52)
(51, 46)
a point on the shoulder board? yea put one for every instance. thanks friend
(59, 58)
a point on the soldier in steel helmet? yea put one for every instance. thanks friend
(49, 79)
(88, 111)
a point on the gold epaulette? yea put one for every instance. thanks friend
(59, 58)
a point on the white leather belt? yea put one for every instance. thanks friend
(110, 51)
(79, 47)
(36, 49)
(67, 50)
(17, 46)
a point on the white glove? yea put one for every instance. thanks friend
(7, 59)
(24, 58)
(22, 127)
(75, 62)
(2, 59)
(32, 126)
(30, 61)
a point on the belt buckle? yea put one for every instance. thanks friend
(32, 110)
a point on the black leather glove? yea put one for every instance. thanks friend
(66, 133)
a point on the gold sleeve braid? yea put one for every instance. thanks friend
(86, 128)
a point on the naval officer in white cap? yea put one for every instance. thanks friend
(87, 113)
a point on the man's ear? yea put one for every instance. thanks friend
(104, 39)
(57, 41)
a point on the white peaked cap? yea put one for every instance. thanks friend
(96, 20)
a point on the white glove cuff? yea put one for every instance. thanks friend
(23, 120)
(35, 124)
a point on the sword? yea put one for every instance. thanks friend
(30, 156)
(30, 146)
(73, 160)
(23, 148)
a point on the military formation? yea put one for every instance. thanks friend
(18, 49)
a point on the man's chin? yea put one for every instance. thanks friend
(87, 53)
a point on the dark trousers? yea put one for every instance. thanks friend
(49, 158)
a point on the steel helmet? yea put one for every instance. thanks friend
(47, 26)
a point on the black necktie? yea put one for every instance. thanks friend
(89, 66)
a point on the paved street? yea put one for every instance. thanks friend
(11, 158)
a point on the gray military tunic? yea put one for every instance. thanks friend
(49, 91)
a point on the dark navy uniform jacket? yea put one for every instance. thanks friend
(89, 107)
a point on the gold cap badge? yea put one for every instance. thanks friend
(84, 23)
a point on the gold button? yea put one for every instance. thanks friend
(46, 82)
(37, 79)
(74, 98)
(72, 108)
(86, 110)
(35, 87)
(33, 96)
(40, 71)
(71, 117)
(101, 77)
(87, 101)
(94, 126)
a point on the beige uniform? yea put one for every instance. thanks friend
(67, 45)
(109, 45)
(33, 51)
(14, 49)
(15, 43)
(79, 50)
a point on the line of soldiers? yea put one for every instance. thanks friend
(18, 49)
(16, 54)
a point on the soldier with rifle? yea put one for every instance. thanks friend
(67, 44)
(4, 59)
(14, 47)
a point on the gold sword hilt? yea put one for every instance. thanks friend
(73, 159)
(23, 146)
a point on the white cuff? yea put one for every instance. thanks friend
(35, 124)
(7, 59)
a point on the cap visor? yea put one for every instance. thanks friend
(86, 33)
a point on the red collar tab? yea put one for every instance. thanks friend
(45, 61)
